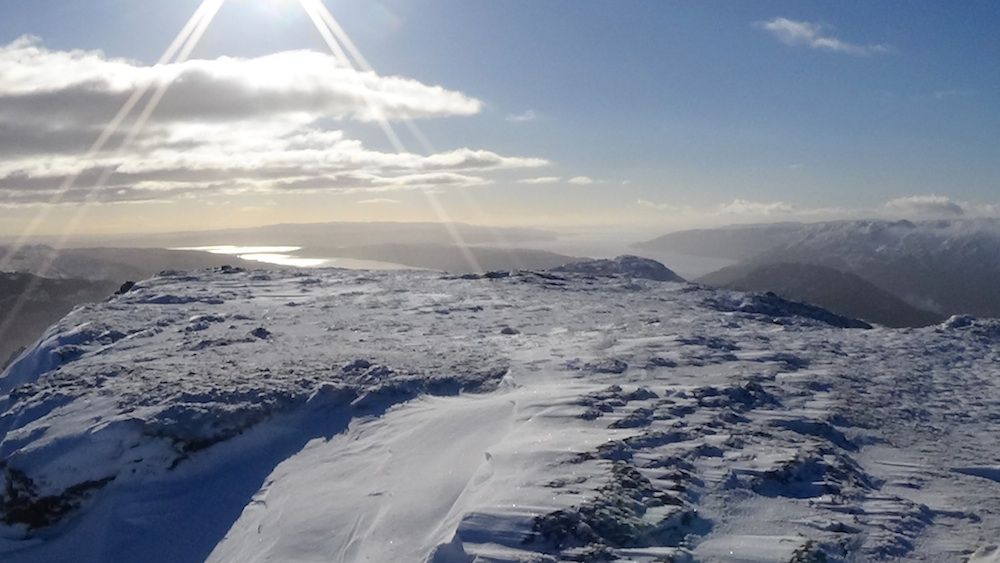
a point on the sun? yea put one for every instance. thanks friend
(268, 6)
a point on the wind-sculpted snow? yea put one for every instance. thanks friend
(331, 415)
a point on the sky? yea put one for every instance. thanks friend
(551, 113)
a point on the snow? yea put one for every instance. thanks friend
(331, 415)
(942, 266)
(632, 266)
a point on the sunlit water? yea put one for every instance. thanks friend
(286, 256)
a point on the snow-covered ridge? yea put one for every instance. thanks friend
(945, 266)
(411, 416)
(633, 266)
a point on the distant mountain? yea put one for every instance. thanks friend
(36, 303)
(451, 258)
(841, 292)
(115, 264)
(947, 267)
(730, 243)
(633, 266)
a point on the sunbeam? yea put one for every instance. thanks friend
(362, 63)
(184, 51)
(178, 51)
(314, 9)
(422, 139)
(334, 35)
(182, 38)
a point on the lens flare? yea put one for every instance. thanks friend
(178, 51)
(337, 39)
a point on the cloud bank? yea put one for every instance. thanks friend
(229, 125)
(908, 207)
(925, 206)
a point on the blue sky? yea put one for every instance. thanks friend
(680, 112)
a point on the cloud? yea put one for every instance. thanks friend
(528, 115)
(575, 181)
(908, 207)
(941, 95)
(540, 180)
(86, 87)
(746, 207)
(664, 206)
(479, 159)
(379, 201)
(743, 209)
(800, 33)
(228, 125)
(924, 206)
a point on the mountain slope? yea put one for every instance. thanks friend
(36, 303)
(946, 267)
(345, 416)
(840, 292)
(734, 243)
(632, 266)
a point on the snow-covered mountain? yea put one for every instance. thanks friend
(946, 266)
(736, 242)
(841, 292)
(335, 415)
(633, 266)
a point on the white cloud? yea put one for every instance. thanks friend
(575, 181)
(379, 201)
(227, 125)
(924, 206)
(746, 207)
(665, 206)
(540, 180)
(81, 86)
(745, 210)
(909, 207)
(801, 33)
(529, 115)
(941, 95)
(479, 159)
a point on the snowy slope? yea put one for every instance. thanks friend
(634, 266)
(336, 415)
(945, 266)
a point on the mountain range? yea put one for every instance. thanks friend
(943, 267)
